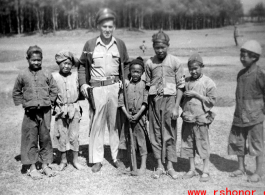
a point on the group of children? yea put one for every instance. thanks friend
(159, 86)
(42, 95)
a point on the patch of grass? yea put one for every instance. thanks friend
(11, 55)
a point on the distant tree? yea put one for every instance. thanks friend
(258, 11)
(34, 15)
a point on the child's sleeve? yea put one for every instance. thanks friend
(210, 98)
(180, 77)
(145, 97)
(53, 89)
(261, 81)
(17, 93)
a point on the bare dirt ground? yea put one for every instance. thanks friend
(222, 64)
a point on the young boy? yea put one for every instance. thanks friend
(67, 109)
(199, 98)
(247, 127)
(165, 80)
(137, 105)
(36, 90)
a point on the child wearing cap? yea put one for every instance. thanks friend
(36, 90)
(67, 109)
(246, 135)
(165, 82)
(136, 113)
(199, 98)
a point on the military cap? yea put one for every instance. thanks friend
(160, 37)
(105, 13)
(195, 57)
(252, 46)
(33, 49)
(64, 55)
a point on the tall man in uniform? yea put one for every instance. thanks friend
(100, 68)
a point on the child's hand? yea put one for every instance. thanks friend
(135, 117)
(129, 117)
(191, 93)
(175, 113)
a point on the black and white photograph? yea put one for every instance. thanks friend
(132, 97)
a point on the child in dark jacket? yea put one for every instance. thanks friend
(136, 113)
(36, 90)
(247, 127)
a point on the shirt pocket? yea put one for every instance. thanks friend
(168, 71)
(115, 57)
(44, 93)
(28, 94)
(254, 108)
(98, 59)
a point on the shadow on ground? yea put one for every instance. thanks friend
(223, 164)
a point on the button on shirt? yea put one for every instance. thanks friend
(137, 96)
(166, 77)
(105, 59)
(250, 93)
(34, 89)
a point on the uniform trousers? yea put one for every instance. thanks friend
(106, 103)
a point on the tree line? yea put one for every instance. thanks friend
(26, 16)
(258, 12)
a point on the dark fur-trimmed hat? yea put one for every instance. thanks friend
(139, 60)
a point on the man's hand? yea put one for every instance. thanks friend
(191, 93)
(175, 113)
(84, 90)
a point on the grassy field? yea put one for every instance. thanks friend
(222, 64)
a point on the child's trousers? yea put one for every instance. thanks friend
(36, 142)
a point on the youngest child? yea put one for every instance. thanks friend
(199, 98)
(67, 109)
(137, 106)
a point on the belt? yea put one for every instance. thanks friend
(99, 83)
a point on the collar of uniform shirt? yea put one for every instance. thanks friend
(113, 40)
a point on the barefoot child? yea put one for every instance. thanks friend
(36, 90)
(246, 134)
(199, 98)
(137, 105)
(165, 80)
(68, 111)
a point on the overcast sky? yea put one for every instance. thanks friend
(248, 4)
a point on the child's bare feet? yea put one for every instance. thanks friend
(139, 172)
(34, 174)
(254, 178)
(62, 166)
(78, 166)
(48, 171)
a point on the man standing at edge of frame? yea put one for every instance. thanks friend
(100, 68)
